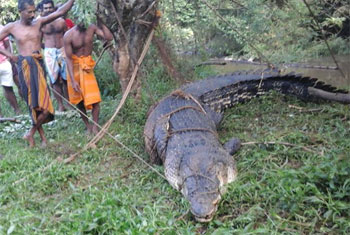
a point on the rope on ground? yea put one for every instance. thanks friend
(324, 37)
(72, 158)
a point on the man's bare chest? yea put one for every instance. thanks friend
(53, 28)
(29, 33)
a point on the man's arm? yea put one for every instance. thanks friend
(5, 32)
(58, 13)
(103, 32)
(69, 53)
(6, 51)
(7, 45)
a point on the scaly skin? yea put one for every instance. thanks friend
(181, 131)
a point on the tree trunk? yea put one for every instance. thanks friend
(130, 22)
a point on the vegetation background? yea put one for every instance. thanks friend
(280, 190)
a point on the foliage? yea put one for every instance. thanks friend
(84, 12)
(279, 30)
(8, 11)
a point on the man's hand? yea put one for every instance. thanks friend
(14, 58)
(76, 87)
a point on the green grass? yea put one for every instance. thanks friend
(299, 189)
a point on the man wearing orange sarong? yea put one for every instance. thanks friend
(82, 85)
(84, 75)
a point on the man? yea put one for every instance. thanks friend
(82, 85)
(6, 75)
(28, 36)
(54, 53)
(39, 10)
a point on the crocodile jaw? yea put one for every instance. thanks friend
(204, 202)
(209, 216)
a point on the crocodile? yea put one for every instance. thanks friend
(181, 130)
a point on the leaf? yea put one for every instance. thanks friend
(11, 229)
(314, 199)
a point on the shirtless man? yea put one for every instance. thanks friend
(27, 34)
(82, 85)
(54, 53)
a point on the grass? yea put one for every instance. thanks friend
(299, 189)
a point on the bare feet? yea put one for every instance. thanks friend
(62, 109)
(43, 144)
(88, 129)
(88, 133)
(42, 136)
(95, 130)
(30, 140)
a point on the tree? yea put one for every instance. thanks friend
(130, 23)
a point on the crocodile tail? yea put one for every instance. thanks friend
(255, 84)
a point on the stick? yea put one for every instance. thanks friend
(210, 63)
(9, 120)
(103, 51)
(302, 110)
(120, 24)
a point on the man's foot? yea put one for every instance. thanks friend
(43, 144)
(89, 135)
(95, 130)
(88, 132)
(30, 140)
(62, 109)
(88, 129)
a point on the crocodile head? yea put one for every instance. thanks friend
(204, 176)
